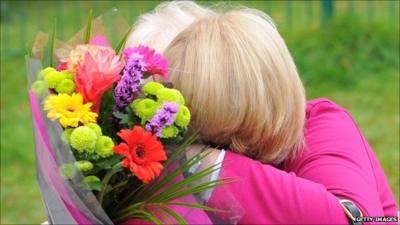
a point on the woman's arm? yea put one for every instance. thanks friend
(267, 195)
(339, 157)
(336, 163)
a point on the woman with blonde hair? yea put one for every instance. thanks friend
(307, 162)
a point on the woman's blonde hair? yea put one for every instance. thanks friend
(159, 27)
(240, 83)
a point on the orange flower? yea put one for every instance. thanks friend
(96, 73)
(143, 153)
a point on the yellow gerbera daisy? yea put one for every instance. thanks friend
(69, 109)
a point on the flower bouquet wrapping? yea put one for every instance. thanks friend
(110, 148)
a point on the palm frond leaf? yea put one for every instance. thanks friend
(163, 215)
(158, 184)
(121, 44)
(160, 194)
(175, 215)
(88, 30)
(149, 215)
(188, 180)
(51, 44)
(164, 181)
(192, 205)
(180, 187)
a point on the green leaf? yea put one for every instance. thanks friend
(169, 177)
(121, 44)
(181, 149)
(177, 217)
(106, 179)
(51, 44)
(119, 115)
(126, 200)
(191, 205)
(121, 184)
(107, 163)
(149, 216)
(89, 27)
(124, 118)
(146, 193)
(137, 214)
(197, 189)
(29, 53)
(106, 109)
(162, 214)
(96, 185)
(154, 195)
(182, 184)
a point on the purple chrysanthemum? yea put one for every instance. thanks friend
(128, 87)
(162, 118)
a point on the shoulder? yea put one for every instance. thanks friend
(328, 122)
(331, 134)
(321, 105)
(325, 117)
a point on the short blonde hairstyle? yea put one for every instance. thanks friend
(159, 27)
(240, 83)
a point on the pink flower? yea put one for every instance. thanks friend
(156, 64)
(100, 40)
(96, 73)
(63, 65)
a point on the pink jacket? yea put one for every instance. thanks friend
(337, 162)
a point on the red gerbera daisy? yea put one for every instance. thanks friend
(143, 153)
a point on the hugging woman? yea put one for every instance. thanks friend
(296, 161)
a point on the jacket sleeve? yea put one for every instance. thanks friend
(263, 194)
(335, 163)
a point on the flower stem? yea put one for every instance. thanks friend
(106, 179)
(123, 203)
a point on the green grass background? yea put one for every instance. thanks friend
(354, 60)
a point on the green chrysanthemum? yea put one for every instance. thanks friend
(67, 171)
(46, 71)
(67, 134)
(54, 78)
(96, 128)
(84, 165)
(65, 86)
(40, 87)
(169, 132)
(170, 95)
(104, 146)
(68, 74)
(183, 117)
(91, 179)
(152, 88)
(144, 108)
(83, 139)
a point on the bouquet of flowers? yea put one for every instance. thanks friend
(110, 147)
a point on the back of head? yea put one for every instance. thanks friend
(158, 28)
(241, 84)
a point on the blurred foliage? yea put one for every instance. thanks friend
(354, 61)
(344, 51)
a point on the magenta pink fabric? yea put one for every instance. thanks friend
(336, 162)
